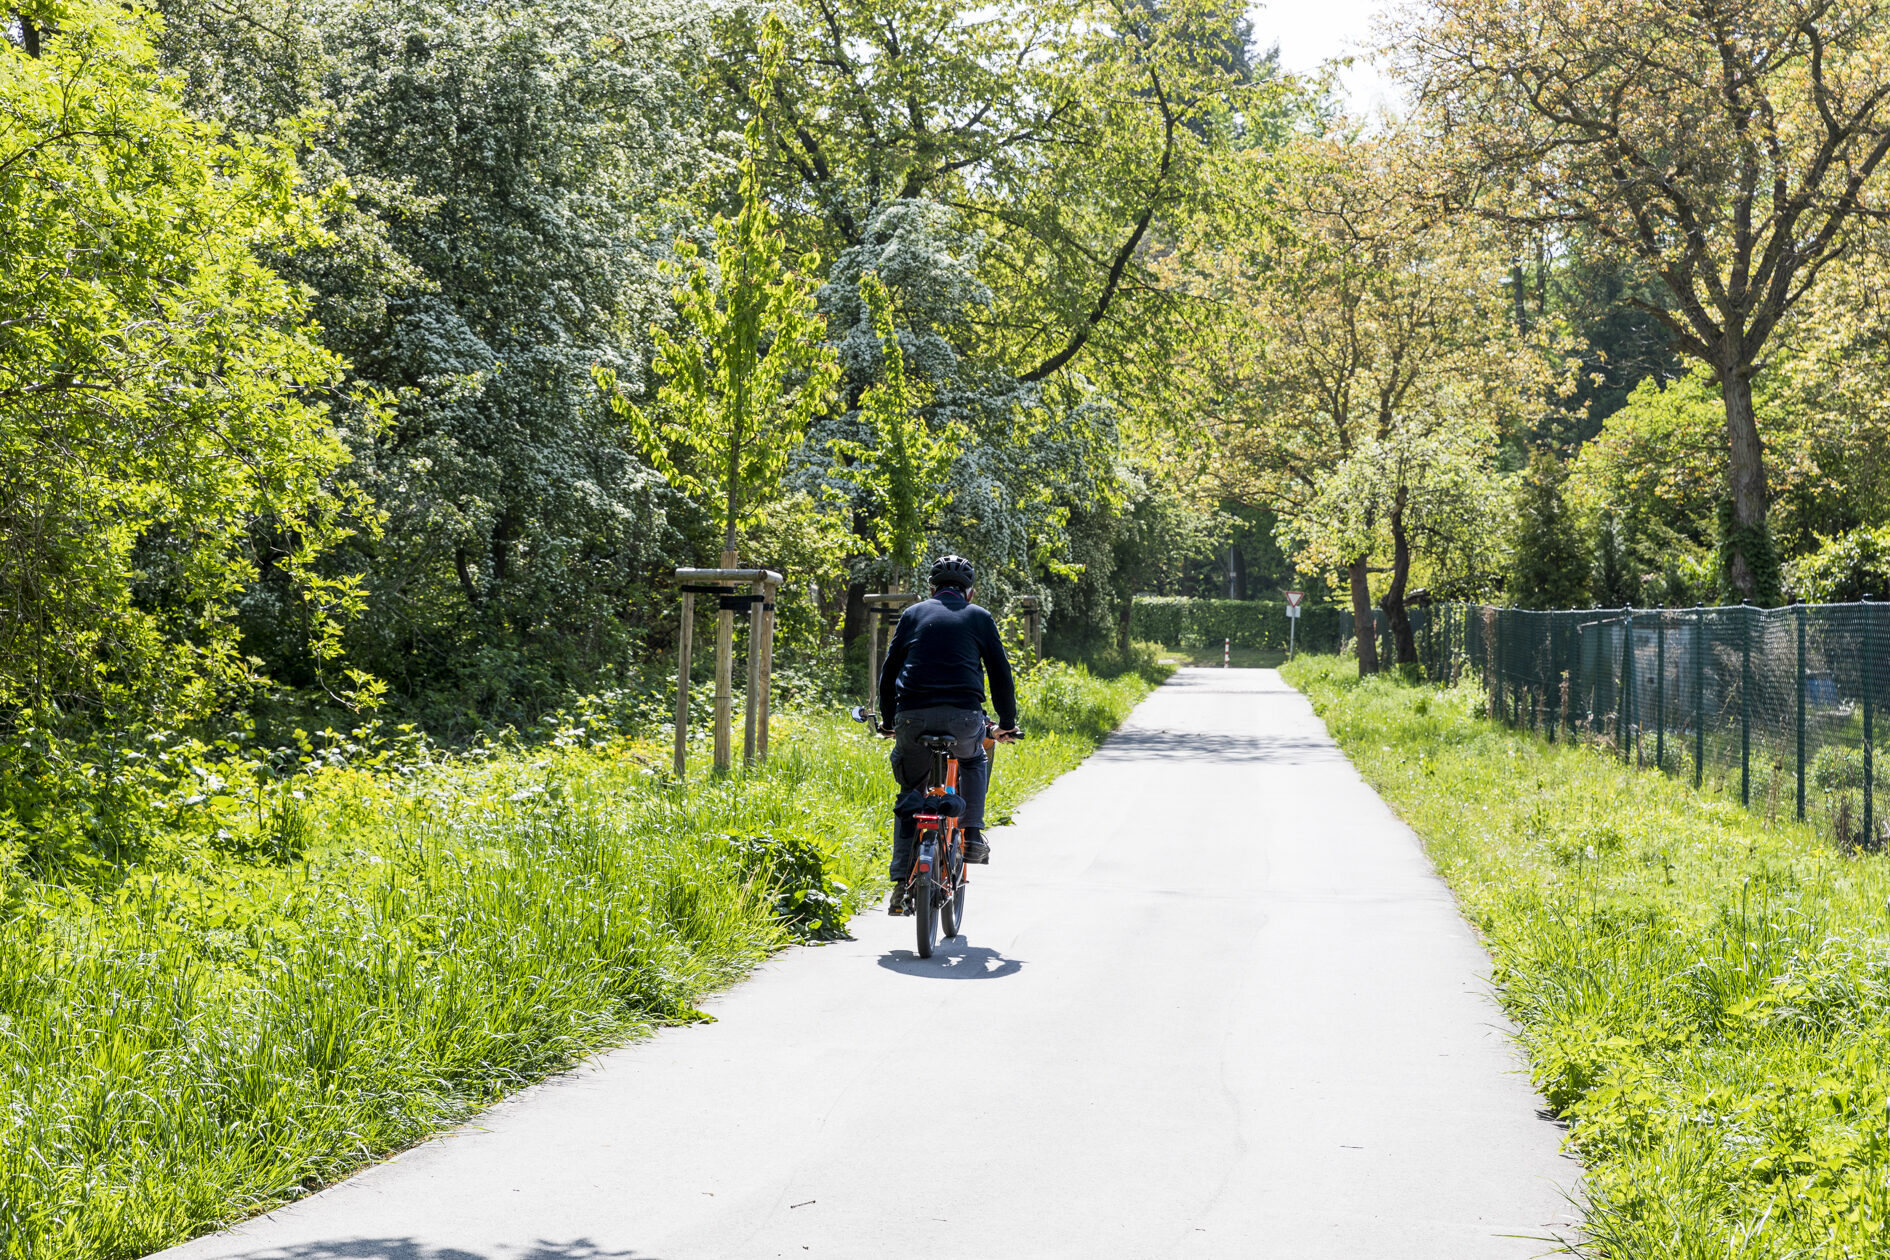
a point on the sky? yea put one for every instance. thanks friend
(1310, 32)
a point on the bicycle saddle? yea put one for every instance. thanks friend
(939, 743)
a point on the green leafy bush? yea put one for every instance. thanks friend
(1849, 567)
(1063, 698)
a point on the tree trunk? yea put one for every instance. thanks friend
(853, 620)
(1753, 575)
(1239, 561)
(1364, 626)
(1393, 602)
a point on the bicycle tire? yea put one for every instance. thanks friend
(925, 913)
(952, 912)
(952, 908)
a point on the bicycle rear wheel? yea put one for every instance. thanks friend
(925, 901)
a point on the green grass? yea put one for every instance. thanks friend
(209, 1036)
(1703, 995)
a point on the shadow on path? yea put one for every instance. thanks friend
(953, 960)
(411, 1249)
(1217, 746)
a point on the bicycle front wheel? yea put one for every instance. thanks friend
(952, 909)
(925, 899)
(952, 906)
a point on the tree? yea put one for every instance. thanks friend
(1731, 148)
(1417, 489)
(1550, 567)
(155, 389)
(1023, 454)
(752, 367)
(1066, 132)
(1355, 322)
(902, 466)
(499, 186)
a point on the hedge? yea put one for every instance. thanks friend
(1178, 621)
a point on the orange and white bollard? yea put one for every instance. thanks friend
(1227, 652)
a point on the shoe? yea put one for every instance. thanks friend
(899, 905)
(976, 850)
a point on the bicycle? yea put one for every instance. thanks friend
(935, 886)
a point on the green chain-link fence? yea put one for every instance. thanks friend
(1780, 705)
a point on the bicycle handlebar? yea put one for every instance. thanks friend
(992, 730)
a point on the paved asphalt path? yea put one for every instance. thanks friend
(1212, 1002)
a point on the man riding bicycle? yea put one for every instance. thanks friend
(933, 684)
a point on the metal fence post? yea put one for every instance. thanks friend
(1801, 713)
(1660, 690)
(1499, 677)
(1699, 698)
(1430, 646)
(1594, 695)
(1870, 704)
(1555, 691)
(1624, 717)
(1745, 705)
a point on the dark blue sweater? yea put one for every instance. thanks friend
(939, 656)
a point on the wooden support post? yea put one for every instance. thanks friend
(764, 701)
(724, 583)
(724, 688)
(751, 697)
(872, 661)
(1033, 625)
(882, 615)
(684, 643)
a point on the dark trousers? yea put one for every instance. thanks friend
(912, 766)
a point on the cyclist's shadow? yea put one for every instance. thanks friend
(953, 960)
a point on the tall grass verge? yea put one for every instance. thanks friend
(1703, 996)
(229, 1025)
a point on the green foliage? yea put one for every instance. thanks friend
(155, 384)
(1068, 699)
(497, 179)
(1179, 621)
(902, 466)
(1140, 658)
(752, 368)
(1065, 132)
(1701, 995)
(1549, 568)
(1851, 566)
(1644, 492)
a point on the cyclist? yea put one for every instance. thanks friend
(933, 684)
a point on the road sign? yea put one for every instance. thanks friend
(1292, 612)
(1295, 598)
